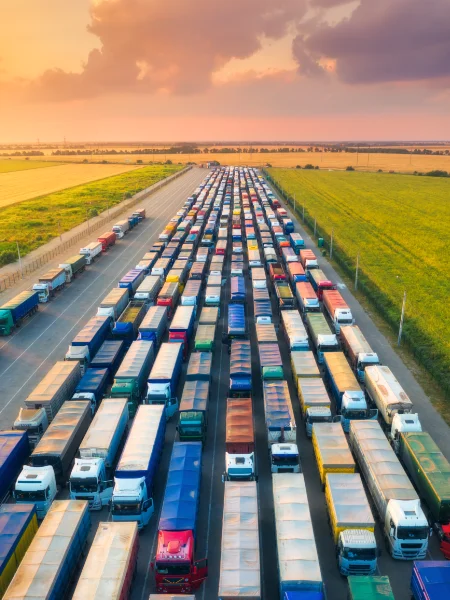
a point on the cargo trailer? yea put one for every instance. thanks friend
(164, 377)
(127, 325)
(430, 580)
(92, 386)
(87, 342)
(209, 315)
(13, 312)
(199, 367)
(361, 587)
(294, 330)
(358, 350)
(240, 369)
(265, 333)
(148, 290)
(193, 423)
(109, 357)
(114, 303)
(154, 325)
(322, 338)
(92, 251)
(307, 299)
(331, 450)
(107, 240)
(73, 265)
(14, 452)
(132, 280)
(386, 393)
(281, 427)
(239, 441)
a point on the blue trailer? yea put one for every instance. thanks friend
(297, 242)
(306, 595)
(430, 580)
(88, 341)
(132, 280)
(132, 498)
(237, 323)
(109, 357)
(182, 326)
(92, 387)
(154, 325)
(237, 293)
(262, 310)
(14, 453)
(164, 377)
(288, 226)
(240, 369)
(15, 310)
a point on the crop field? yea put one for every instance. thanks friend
(34, 222)
(398, 224)
(17, 186)
(8, 166)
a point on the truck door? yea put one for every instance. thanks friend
(200, 572)
(171, 407)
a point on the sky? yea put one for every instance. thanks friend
(204, 70)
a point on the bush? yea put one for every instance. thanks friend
(7, 257)
(128, 195)
(93, 213)
(168, 162)
(139, 162)
(380, 171)
(437, 173)
(298, 166)
(309, 166)
(349, 168)
(85, 161)
(317, 167)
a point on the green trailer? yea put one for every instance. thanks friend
(73, 265)
(429, 471)
(204, 338)
(369, 588)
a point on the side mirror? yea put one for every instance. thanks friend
(152, 565)
(391, 532)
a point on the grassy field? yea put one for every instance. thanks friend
(32, 223)
(398, 224)
(18, 186)
(9, 166)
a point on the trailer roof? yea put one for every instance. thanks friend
(141, 439)
(14, 519)
(348, 498)
(355, 339)
(239, 420)
(370, 588)
(61, 373)
(104, 425)
(240, 358)
(330, 441)
(341, 371)
(277, 405)
(387, 385)
(153, 318)
(182, 318)
(114, 296)
(209, 315)
(134, 359)
(313, 391)
(22, 297)
(304, 364)
(165, 361)
(199, 366)
(293, 322)
(195, 396)
(90, 330)
(265, 332)
(269, 355)
(205, 333)
(149, 283)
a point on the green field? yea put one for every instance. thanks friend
(32, 223)
(399, 226)
(8, 166)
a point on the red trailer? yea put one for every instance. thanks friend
(239, 438)
(107, 240)
(276, 272)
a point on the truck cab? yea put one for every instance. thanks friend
(36, 485)
(316, 414)
(68, 269)
(34, 421)
(88, 481)
(127, 388)
(406, 530)
(342, 316)
(130, 501)
(89, 397)
(365, 359)
(403, 423)
(284, 458)
(80, 354)
(160, 393)
(192, 426)
(43, 290)
(357, 552)
(239, 467)
(354, 406)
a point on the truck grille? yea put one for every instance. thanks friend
(359, 569)
(411, 547)
(285, 470)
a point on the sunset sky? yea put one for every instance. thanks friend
(173, 70)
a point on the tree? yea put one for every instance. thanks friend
(349, 168)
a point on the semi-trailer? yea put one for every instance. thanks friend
(130, 380)
(270, 361)
(430, 580)
(87, 342)
(60, 442)
(132, 498)
(110, 564)
(168, 296)
(197, 271)
(240, 369)
(127, 325)
(331, 450)
(308, 260)
(297, 242)
(114, 303)
(284, 295)
(92, 251)
(298, 561)
(344, 388)
(34, 421)
(296, 273)
(146, 265)
(182, 327)
(199, 367)
(323, 339)
(55, 388)
(209, 315)
(265, 333)
(13, 312)
(154, 325)
(92, 387)
(109, 357)
(294, 330)
(404, 524)
(193, 423)
(91, 476)
(358, 350)
(239, 441)
(262, 311)
(240, 575)
(366, 587)
(337, 308)
(204, 338)
(14, 452)
(237, 289)
(386, 393)
(107, 240)
(175, 568)
(18, 526)
(303, 365)
(320, 282)
(132, 280)
(314, 402)
(237, 323)
(307, 299)
(121, 228)
(191, 293)
(352, 524)
(140, 214)
(164, 376)
(49, 283)
(276, 272)
(73, 265)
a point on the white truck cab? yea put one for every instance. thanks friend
(342, 316)
(284, 458)
(357, 552)
(406, 525)
(354, 406)
(80, 354)
(88, 481)
(36, 485)
(403, 423)
(365, 359)
(34, 421)
(43, 291)
(130, 501)
(160, 393)
(316, 414)
(239, 467)
(90, 397)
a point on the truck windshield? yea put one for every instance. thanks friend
(3, 321)
(81, 485)
(345, 321)
(319, 419)
(412, 533)
(190, 430)
(169, 569)
(285, 459)
(354, 414)
(327, 348)
(239, 473)
(126, 508)
(30, 495)
(360, 553)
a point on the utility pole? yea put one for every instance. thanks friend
(87, 218)
(356, 274)
(59, 231)
(20, 260)
(402, 318)
(331, 245)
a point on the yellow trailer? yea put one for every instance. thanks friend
(304, 364)
(312, 392)
(331, 449)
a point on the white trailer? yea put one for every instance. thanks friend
(386, 393)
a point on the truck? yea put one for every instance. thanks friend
(296, 273)
(91, 476)
(237, 323)
(352, 524)
(132, 498)
(191, 293)
(240, 369)
(323, 339)
(107, 240)
(146, 266)
(337, 309)
(18, 526)
(270, 361)
(168, 296)
(109, 357)
(126, 327)
(13, 312)
(193, 421)
(403, 423)
(386, 393)
(133, 221)
(366, 587)
(182, 327)
(34, 421)
(297, 242)
(36, 485)
(51, 560)
(130, 380)
(164, 377)
(284, 295)
(259, 279)
(204, 338)
(92, 387)
(55, 388)
(154, 325)
(121, 228)
(430, 580)
(197, 271)
(307, 299)
(199, 367)
(240, 575)
(92, 251)
(294, 331)
(344, 388)
(299, 570)
(276, 272)
(281, 428)
(132, 280)
(87, 342)
(357, 350)
(110, 564)
(60, 442)
(262, 311)
(114, 303)
(331, 450)
(73, 265)
(239, 441)
(161, 267)
(175, 568)
(314, 402)
(320, 282)
(14, 452)
(265, 333)
(403, 523)
(308, 260)
(49, 283)
(140, 214)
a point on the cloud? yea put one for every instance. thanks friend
(171, 46)
(384, 41)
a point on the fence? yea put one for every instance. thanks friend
(9, 280)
